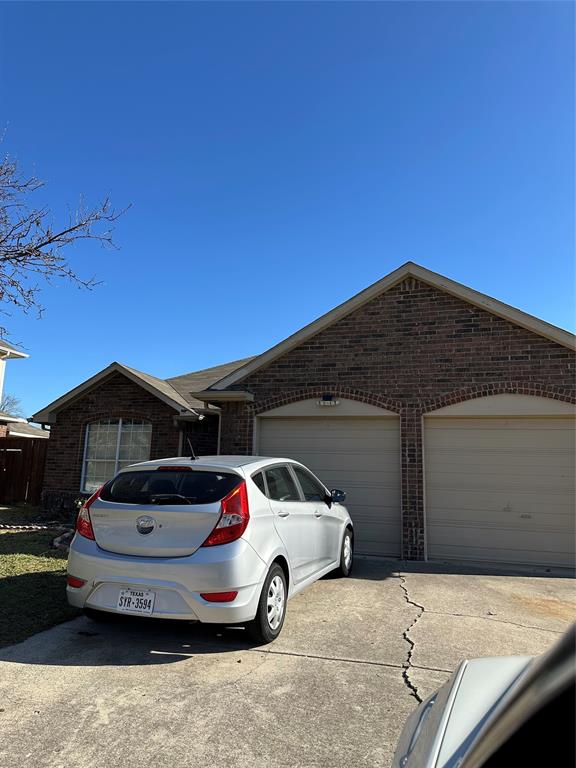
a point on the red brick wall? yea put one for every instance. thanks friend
(115, 397)
(412, 349)
(203, 435)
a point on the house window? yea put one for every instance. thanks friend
(110, 445)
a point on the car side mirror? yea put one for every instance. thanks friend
(338, 497)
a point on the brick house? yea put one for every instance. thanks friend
(446, 415)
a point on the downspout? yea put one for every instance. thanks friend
(219, 414)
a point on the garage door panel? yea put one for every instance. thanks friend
(463, 506)
(501, 489)
(358, 455)
(501, 482)
(521, 460)
(534, 554)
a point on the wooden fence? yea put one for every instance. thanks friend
(22, 462)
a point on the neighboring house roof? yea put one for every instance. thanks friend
(495, 307)
(27, 430)
(175, 392)
(9, 351)
(5, 418)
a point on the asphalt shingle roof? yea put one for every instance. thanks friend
(196, 381)
(29, 430)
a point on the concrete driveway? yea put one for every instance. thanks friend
(353, 659)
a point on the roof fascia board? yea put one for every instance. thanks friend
(495, 307)
(8, 351)
(14, 433)
(228, 396)
(48, 414)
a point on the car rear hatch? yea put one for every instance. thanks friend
(160, 512)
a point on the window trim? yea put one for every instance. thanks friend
(263, 473)
(120, 420)
(306, 471)
(294, 480)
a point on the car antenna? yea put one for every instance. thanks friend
(192, 454)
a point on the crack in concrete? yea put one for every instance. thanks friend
(499, 621)
(411, 644)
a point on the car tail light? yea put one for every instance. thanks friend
(233, 518)
(74, 581)
(83, 522)
(219, 597)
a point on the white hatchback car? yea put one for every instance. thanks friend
(220, 539)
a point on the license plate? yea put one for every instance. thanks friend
(136, 601)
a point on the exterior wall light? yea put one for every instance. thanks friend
(328, 400)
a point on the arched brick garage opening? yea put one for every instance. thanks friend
(500, 480)
(352, 445)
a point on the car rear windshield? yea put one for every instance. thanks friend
(169, 487)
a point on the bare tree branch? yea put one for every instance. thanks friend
(32, 248)
(11, 405)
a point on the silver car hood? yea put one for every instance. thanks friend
(482, 686)
(440, 731)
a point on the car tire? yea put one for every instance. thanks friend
(269, 620)
(346, 554)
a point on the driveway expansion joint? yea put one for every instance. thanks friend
(499, 621)
(411, 644)
(319, 657)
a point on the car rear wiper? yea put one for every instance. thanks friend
(166, 498)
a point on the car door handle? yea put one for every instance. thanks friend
(283, 514)
(318, 514)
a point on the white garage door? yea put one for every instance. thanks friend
(358, 455)
(501, 489)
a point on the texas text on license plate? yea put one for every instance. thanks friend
(136, 601)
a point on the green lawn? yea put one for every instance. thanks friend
(32, 583)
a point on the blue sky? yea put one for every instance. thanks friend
(280, 157)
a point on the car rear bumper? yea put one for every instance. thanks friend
(177, 582)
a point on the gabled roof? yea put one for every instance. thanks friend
(196, 381)
(157, 387)
(495, 307)
(175, 392)
(9, 351)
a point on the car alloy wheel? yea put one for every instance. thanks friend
(347, 553)
(275, 602)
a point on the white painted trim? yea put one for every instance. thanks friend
(12, 420)
(48, 414)
(83, 473)
(120, 421)
(9, 353)
(309, 408)
(495, 307)
(11, 433)
(506, 405)
(424, 510)
(207, 395)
